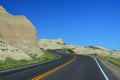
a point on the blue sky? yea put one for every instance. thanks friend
(78, 22)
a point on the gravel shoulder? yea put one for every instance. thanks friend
(114, 69)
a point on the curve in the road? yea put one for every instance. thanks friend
(80, 67)
(53, 70)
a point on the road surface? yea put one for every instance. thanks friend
(69, 67)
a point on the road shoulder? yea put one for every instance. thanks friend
(114, 69)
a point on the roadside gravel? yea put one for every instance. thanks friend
(114, 69)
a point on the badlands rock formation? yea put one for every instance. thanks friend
(91, 50)
(59, 44)
(54, 44)
(8, 51)
(96, 50)
(18, 31)
(115, 53)
(16, 28)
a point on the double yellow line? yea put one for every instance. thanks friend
(53, 70)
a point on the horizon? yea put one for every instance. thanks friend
(83, 23)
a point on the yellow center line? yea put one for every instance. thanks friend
(53, 70)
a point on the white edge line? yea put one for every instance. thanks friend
(100, 68)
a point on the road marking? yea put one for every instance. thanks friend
(101, 69)
(53, 70)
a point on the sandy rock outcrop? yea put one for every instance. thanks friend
(96, 50)
(59, 44)
(16, 28)
(60, 41)
(115, 53)
(8, 51)
(18, 31)
(54, 44)
(91, 50)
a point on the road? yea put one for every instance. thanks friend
(69, 67)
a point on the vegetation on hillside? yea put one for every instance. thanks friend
(115, 61)
(69, 51)
(11, 63)
(94, 47)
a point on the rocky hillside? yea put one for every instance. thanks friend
(59, 44)
(53, 44)
(19, 32)
(8, 51)
(115, 53)
(91, 50)
(96, 50)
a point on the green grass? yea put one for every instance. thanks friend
(68, 51)
(94, 47)
(115, 61)
(11, 63)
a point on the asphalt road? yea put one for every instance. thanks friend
(80, 67)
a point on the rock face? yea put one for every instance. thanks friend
(18, 31)
(8, 51)
(54, 44)
(16, 28)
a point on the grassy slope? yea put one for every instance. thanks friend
(10, 63)
(115, 61)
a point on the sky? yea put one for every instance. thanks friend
(77, 22)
